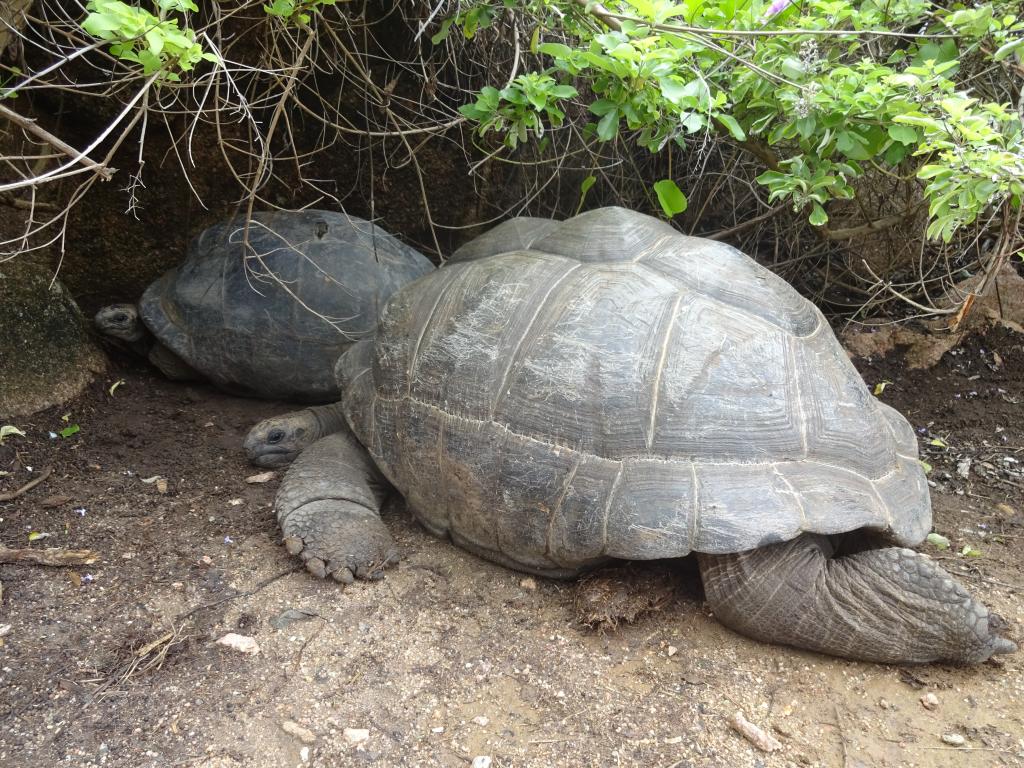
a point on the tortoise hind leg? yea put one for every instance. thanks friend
(329, 510)
(886, 605)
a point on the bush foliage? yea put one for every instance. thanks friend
(870, 151)
(822, 91)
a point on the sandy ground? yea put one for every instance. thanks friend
(450, 658)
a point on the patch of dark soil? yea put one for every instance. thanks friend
(448, 657)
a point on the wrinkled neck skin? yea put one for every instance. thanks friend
(277, 441)
(329, 418)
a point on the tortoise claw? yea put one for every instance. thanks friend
(343, 576)
(317, 567)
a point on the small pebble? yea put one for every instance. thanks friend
(304, 754)
(481, 761)
(356, 735)
(954, 738)
(304, 735)
(930, 701)
(672, 650)
(530, 584)
(481, 720)
(241, 643)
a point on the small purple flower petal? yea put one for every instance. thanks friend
(777, 7)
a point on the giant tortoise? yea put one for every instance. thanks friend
(613, 389)
(268, 318)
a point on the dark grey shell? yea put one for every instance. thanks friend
(621, 390)
(249, 333)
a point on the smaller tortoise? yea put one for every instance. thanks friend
(610, 388)
(277, 441)
(268, 321)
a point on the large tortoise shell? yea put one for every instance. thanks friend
(608, 387)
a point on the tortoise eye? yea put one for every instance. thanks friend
(120, 317)
(275, 436)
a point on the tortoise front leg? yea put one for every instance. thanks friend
(329, 510)
(885, 605)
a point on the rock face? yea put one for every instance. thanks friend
(1001, 303)
(46, 353)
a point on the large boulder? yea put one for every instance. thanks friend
(46, 353)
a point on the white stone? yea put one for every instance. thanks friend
(356, 735)
(241, 643)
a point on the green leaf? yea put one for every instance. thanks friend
(585, 186)
(608, 127)
(443, 32)
(732, 125)
(904, 134)
(555, 50)
(938, 541)
(69, 431)
(1007, 48)
(818, 216)
(670, 196)
(934, 171)
(969, 551)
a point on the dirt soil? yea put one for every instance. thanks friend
(450, 658)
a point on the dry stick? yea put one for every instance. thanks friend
(357, 65)
(869, 227)
(264, 158)
(65, 169)
(52, 556)
(36, 130)
(260, 586)
(724, 233)
(888, 286)
(10, 495)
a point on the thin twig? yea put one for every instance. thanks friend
(10, 495)
(52, 556)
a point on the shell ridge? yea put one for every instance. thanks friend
(428, 321)
(670, 327)
(557, 509)
(608, 508)
(517, 350)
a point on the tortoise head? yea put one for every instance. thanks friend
(277, 441)
(120, 321)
